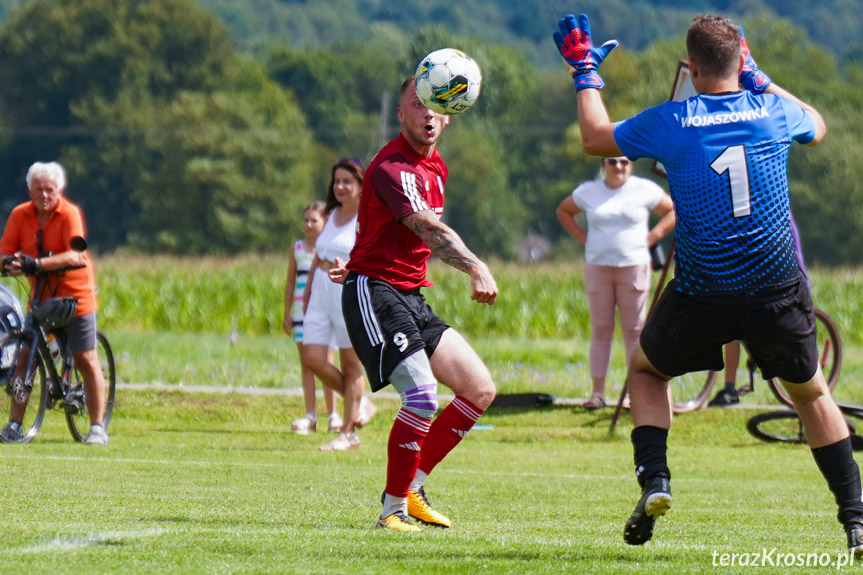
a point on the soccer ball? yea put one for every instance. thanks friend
(448, 81)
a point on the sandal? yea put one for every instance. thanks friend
(342, 442)
(367, 411)
(305, 425)
(334, 423)
(596, 401)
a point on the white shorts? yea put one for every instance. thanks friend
(323, 323)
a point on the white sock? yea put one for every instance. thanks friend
(394, 504)
(95, 427)
(419, 480)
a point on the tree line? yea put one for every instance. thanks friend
(176, 141)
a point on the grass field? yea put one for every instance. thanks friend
(555, 366)
(197, 483)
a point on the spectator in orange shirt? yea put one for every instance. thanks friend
(37, 238)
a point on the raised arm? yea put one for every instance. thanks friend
(576, 46)
(597, 131)
(753, 79)
(446, 244)
(820, 125)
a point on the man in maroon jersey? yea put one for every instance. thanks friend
(396, 335)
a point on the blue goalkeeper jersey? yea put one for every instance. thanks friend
(726, 157)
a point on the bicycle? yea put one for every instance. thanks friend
(39, 378)
(691, 391)
(785, 426)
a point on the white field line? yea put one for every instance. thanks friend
(297, 392)
(61, 543)
(225, 389)
(281, 465)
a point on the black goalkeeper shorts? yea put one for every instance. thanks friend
(686, 333)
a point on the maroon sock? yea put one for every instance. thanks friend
(448, 429)
(403, 451)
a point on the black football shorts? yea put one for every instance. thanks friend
(386, 325)
(686, 333)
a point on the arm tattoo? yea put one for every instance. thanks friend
(441, 240)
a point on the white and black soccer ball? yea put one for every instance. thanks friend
(448, 81)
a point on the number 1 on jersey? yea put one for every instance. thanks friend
(733, 161)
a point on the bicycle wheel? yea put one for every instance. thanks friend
(776, 426)
(830, 350)
(77, 414)
(690, 391)
(32, 394)
(783, 425)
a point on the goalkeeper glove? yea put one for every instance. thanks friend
(750, 77)
(574, 44)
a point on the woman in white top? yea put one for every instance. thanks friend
(617, 256)
(323, 323)
(299, 264)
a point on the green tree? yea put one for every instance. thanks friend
(61, 59)
(479, 204)
(229, 172)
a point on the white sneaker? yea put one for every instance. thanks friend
(334, 423)
(97, 436)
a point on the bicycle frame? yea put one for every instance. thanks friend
(39, 344)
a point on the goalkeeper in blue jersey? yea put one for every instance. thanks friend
(736, 273)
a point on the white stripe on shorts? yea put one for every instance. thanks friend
(373, 330)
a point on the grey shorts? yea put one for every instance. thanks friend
(81, 332)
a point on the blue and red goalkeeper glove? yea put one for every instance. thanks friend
(574, 44)
(750, 77)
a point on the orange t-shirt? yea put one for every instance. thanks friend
(63, 224)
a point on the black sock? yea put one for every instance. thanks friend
(838, 467)
(649, 445)
(730, 387)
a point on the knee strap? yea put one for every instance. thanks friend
(414, 381)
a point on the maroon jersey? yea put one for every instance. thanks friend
(399, 182)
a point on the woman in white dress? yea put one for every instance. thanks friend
(323, 324)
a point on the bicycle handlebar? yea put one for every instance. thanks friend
(38, 273)
(76, 243)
